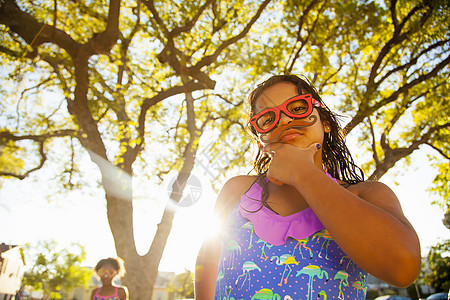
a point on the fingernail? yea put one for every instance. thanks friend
(318, 146)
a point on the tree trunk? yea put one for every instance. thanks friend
(118, 186)
(137, 282)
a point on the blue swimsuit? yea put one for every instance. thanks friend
(268, 256)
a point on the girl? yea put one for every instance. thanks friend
(107, 269)
(307, 226)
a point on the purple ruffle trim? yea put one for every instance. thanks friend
(273, 228)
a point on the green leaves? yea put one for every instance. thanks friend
(161, 87)
(438, 273)
(182, 284)
(54, 271)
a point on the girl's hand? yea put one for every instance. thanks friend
(287, 160)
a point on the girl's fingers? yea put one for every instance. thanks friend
(283, 164)
(270, 148)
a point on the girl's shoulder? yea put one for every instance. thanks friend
(240, 183)
(375, 192)
(368, 187)
(380, 195)
(231, 193)
(237, 186)
(123, 292)
(94, 291)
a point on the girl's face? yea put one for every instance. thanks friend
(107, 273)
(302, 136)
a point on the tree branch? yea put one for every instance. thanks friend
(149, 102)
(103, 42)
(32, 31)
(411, 84)
(364, 112)
(392, 156)
(40, 139)
(39, 166)
(396, 39)
(209, 59)
(190, 23)
(413, 61)
(438, 150)
(374, 148)
(300, 40)
(151, 6)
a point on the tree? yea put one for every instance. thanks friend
(442, 188)
(110, 86)
(132, 78)
(387, 64)
(437, 274)
(54, 272)
(183, 284)
(388, 68)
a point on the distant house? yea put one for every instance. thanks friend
(12, 264)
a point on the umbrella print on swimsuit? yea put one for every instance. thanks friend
(247, 267)
(312, 271)
(286, 260)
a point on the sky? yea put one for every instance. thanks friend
(26, 215)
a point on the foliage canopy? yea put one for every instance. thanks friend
(437, 274)
(55, 272)
(143, 88)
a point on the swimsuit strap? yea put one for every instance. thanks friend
(116, 294)
(334, 179)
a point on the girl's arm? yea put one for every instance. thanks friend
(365, 220)
(93, 293)
(206, 269)
(208, 257)
(123, 293)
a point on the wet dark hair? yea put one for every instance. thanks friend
(336, 157)
(116, 262)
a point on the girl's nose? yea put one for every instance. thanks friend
(284, 119)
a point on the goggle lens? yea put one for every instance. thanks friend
(102, 272)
